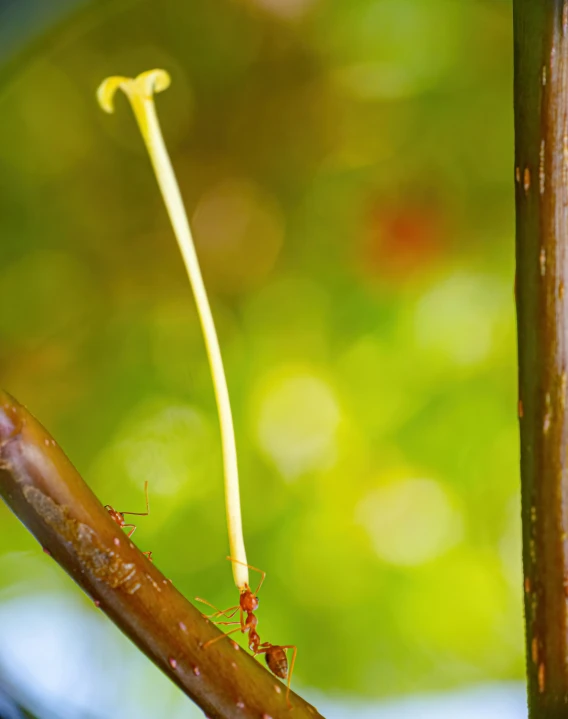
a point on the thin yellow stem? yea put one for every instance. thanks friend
(140, 92)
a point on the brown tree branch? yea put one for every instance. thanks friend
(45, 491)
(541, 170)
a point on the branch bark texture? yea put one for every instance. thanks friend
(541, 184)
(45, 491)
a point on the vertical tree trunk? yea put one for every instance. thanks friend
(541, 184)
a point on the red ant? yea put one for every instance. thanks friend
(248, 600)
(118, 517)
(275, 654)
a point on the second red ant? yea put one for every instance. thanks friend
(118, 517)
(275, 654)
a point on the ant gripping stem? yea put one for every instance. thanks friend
(248, 604)
(248, 600)
(275, 654)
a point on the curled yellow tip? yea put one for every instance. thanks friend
(154, 81)
(145, 85)
(107, 89)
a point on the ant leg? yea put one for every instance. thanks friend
(149, 555)
(262, 648)
(141, 514)
(295, 648)
(263, 574)
(212, 641)
(218, 612)
(129, 534)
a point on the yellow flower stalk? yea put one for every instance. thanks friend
(140, 92)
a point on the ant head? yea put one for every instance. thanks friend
(117, 517)
(249, 601)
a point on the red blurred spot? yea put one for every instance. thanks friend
(401, 238)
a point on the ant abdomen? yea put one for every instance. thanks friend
(277, 661)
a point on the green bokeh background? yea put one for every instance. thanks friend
(347, 167)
